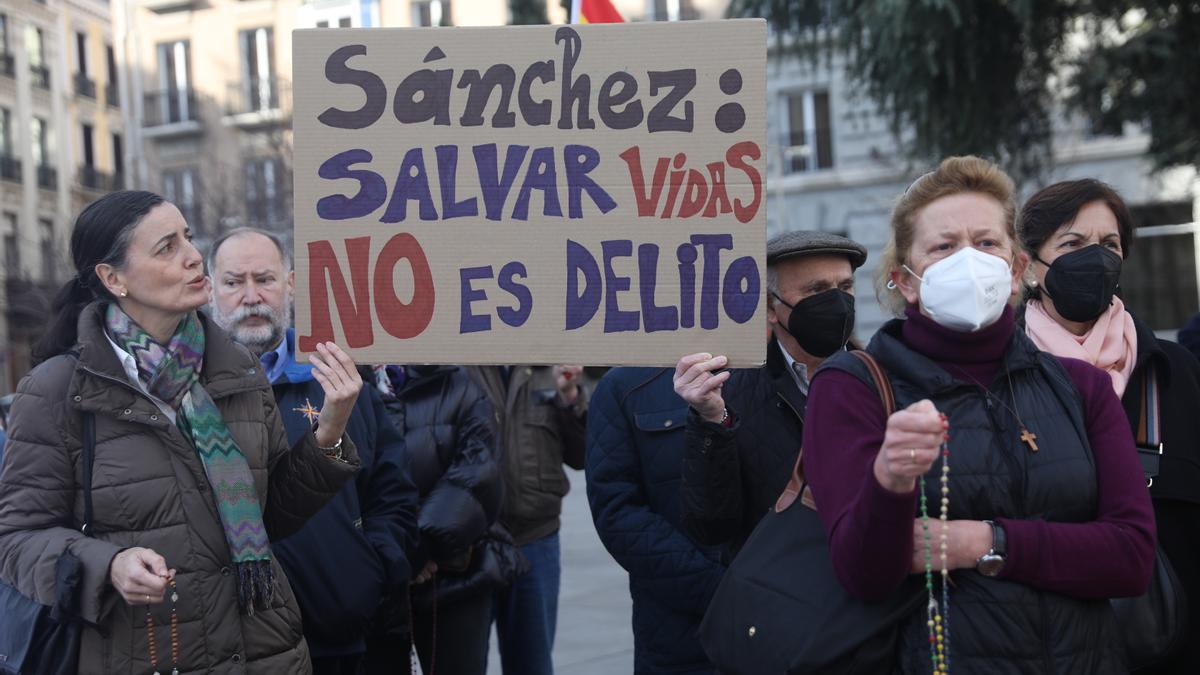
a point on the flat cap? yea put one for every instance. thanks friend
(807, 242)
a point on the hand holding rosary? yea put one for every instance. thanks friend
(150, 638)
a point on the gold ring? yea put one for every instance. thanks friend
(147, 599)
(912, 454)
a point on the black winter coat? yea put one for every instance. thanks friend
(1000, 626)
(636, 437)
(445, 419)
(1176, 489)
(732, 475)
(356, 549)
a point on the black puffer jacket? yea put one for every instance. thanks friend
(445, 419)
(732, 475)
(1176, 489)
(1001, 626)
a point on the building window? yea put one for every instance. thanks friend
(12, 248)
(40, 139)
(180, 188)
(10, 166)
(49, 262)
(672, 10)
(7, 142)
(809, 132)
(118, 153)
(89, 150)
(174, 100)
(264, 203)
(431, 13)
(259, 90)
(344, 22)
(111, 89)
(1159, 279)
(7, 63)
(84, 84)
(35, 49)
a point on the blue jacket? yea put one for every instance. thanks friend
(635, 442)
(355, 549)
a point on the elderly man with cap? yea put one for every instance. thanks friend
(744, 428)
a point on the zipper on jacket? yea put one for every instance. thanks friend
(790, 407)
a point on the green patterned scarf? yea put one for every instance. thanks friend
(172, 374)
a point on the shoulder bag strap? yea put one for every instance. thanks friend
(1149, 428)
(797, 485)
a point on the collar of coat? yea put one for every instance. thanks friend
(228, 369)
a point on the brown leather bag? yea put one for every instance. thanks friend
(797, 485)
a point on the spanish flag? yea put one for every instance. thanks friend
(594, 11)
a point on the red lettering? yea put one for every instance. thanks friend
(718, 198)
(694, 194)
(646, 203)
(355, 314)
(397, 318)
(736, 158)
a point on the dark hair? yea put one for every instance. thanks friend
(101, 235)
(285, 255)
(1057, 205)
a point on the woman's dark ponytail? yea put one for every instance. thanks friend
(101, 234)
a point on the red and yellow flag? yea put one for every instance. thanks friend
(594, 11)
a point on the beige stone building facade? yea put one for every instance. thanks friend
(62, 144)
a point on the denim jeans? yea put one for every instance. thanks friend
(527, 611)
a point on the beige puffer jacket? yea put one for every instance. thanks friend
(150, 490)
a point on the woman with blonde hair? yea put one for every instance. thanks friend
(1036, 508)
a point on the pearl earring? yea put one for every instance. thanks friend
(124, 294)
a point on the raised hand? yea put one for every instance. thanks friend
(696, 384)
(335, 371)
(910, 446)
(566, 380)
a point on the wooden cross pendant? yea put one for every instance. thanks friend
(1029, 439)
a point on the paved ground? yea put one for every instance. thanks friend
(593, 607)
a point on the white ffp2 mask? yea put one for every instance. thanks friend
(967, 290)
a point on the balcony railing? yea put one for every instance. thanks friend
(94, 179)
(112, 94)
(257, 95)
(41, 76)
(10, 168)
(85, 86)
(8, 65)
(173, 106)
(47, 177)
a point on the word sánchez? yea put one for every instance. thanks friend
(425, 95)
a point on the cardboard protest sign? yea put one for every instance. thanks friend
(532, 194)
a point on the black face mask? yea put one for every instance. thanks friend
(1081, 283)
(823, 322)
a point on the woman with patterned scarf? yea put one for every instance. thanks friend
(192, 476)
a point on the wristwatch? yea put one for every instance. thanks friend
(990, 563)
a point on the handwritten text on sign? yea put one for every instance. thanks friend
(586, 194)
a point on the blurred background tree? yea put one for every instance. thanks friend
(985, 76)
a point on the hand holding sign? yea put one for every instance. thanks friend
(696, 383)
(338, 376)
(566, 379)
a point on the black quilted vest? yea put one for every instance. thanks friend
(1000, 626)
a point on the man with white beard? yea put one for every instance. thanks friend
(356, 549)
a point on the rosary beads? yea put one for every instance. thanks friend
(174, 634)
(938, 621)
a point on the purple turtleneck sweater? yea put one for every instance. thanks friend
(870, 528)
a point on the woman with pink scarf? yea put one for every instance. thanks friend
(1078, 234)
